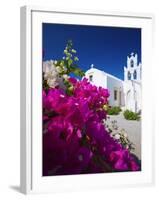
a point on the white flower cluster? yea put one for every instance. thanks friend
(51, 74)
(118, 134)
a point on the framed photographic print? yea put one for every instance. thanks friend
(86, 100)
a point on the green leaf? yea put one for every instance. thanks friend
(78, 72)
(70, 61)
(62, 63)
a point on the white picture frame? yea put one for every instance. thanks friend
(31, 86)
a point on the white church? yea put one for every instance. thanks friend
(127, 93)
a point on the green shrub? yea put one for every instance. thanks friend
(115, 110)
(131, 115)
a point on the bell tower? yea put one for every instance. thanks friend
(132, 72)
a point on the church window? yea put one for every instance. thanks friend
(115, 94)
(132, 63)
(135, 75)
(91, 78)
(129, 76)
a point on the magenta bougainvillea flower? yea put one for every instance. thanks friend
(75, 140)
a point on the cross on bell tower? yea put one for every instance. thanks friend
(132, 54)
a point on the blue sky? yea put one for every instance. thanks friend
(105, 47)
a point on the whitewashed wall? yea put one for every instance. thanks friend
(99, 77)
(115, 84)
(133, 92)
